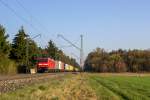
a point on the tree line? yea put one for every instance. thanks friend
(21, 53)
(118, 61)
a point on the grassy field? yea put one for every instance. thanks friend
(87, 87)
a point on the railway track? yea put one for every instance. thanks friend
(11, 83)
(21, 76)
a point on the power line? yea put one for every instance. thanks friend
(77, 41)
(36, 20)
(59, 35)
(27, 11)
(32, 17)
(19, 16)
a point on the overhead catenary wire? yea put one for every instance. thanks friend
(67, 46)
(32, 17)
(18, 15)
(38, 23)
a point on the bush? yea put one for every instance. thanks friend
(22, 69)
(7, 66)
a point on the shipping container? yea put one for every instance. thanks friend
(59, 66)
(76, 69)
(66, 67)
(62, 66)
(71, 68)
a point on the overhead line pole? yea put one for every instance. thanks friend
(78, 48)
(81, 53)
(27, 48)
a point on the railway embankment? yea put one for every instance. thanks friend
(11, 83)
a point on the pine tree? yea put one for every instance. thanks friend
(6, 65)
(4, 44)
(52, 50)
(18, 51)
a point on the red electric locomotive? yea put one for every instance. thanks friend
(45, 65)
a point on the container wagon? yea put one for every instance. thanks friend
(76, 69)
(59, 66)
(71, 68)
(56, 66)
(66, 67)
(62, 68)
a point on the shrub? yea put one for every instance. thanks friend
(21, 68)
(7, 66)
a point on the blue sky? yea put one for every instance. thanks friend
(109, 24)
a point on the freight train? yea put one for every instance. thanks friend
(50, 65)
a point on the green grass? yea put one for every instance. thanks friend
(121, 87)
(86, 87)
